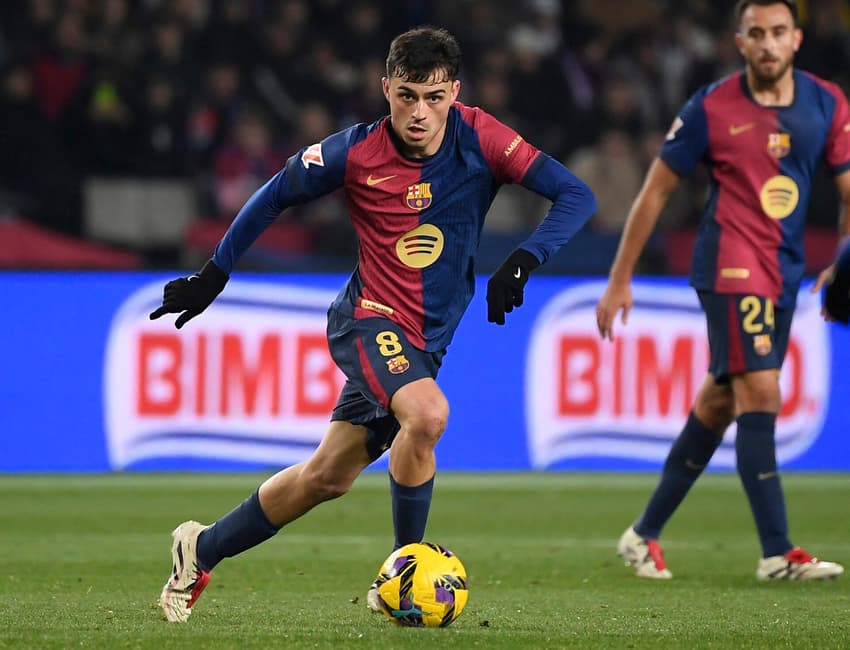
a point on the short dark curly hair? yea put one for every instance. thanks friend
(420, 53)
(742, 5)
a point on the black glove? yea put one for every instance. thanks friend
(191, 295)
(505, 288)
(836, 297)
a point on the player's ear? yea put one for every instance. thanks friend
(385, 85)
(798, 38)
(739, 41)
(455, 89)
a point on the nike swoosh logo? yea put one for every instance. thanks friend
(765, 475)
(375, 181)
(518, 273)
(738, 130)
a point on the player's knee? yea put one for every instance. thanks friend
(757, 391)
(715, 406)
(426, 424)
(716, 411)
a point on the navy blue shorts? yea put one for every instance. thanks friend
(745, 333)
(377, 360)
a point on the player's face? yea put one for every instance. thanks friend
(768, 40)
(419, 111)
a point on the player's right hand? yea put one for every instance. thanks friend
(617, 296)
(192, 295)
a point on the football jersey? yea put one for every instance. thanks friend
(761, 162)
(418, 221)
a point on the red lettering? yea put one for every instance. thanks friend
(317, 382)
(159, 359)
(201, 374)
(653, 381)
(578, 379)
(237, 377)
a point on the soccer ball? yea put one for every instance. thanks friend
(422, 585)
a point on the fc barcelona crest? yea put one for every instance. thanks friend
(419, 196)
(762, 345)
(398, 365)
(779, 144)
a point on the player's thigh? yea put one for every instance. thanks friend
(746, 333)
(378, 361)
(376, 356)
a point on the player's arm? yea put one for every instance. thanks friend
(684, 147)
(836, 301)
(659, 183)
(573, 203)
(836, 154)
(311, 173)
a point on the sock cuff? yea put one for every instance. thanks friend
(408, 490)
(256, 509)
(760, 420)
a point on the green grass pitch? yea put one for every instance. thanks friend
(82, 560)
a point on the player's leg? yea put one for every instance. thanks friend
(421, 410)
(712, 412)
(392, 391)
(757, 403)
(691, 451)
(688, 456)
(282, 498)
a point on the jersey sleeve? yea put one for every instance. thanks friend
(687, 140)
(312, 172)
(837, 147)
(507, 153)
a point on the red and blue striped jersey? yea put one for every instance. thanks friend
(761, 162)
(418, 221)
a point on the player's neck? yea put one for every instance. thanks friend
(772, 93)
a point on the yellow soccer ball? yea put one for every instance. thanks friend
(422, 585)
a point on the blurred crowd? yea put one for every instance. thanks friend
(219, 93)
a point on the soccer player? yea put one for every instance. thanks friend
(761, 133)
(418, 184)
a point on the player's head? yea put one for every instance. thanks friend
(421, 84)
(768, 37)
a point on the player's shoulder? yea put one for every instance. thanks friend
(808, 81)
(474, 116)
(716, 93)
(726, 87)
(365, 138)
(357, 133)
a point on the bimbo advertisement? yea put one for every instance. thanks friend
(93, 385)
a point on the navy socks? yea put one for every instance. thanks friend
(410, 510)
(240, 529)
(688, 456)
(756, 452)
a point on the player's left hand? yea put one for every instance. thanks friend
(836, 279)
(836, 297)
(192, 295)
(505, 290)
